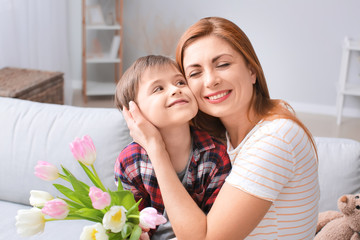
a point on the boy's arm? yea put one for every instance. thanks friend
(216, 178)
(129, 173)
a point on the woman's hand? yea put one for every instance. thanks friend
(141, 130)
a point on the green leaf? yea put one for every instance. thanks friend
(81, 190)
(97, 182)
(77, 216)
(126, 231)
(79, 185)
(73, 204)
(67, 192)
(120, 186)
(136, 232)
(134, 209)
(115, 236)
(88, 213)
(122, 198)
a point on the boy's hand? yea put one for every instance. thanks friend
(141, 130)
(144, 236)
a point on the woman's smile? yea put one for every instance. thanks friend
(218, 96)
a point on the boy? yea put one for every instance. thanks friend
(163, 96)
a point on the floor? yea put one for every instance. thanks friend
(319, 125)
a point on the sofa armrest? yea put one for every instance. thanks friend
(339, 170)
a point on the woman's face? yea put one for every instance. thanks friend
(219, 77)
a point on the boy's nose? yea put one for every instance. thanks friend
(175, 91)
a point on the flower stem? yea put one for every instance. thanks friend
(134, 216)
(97, 177)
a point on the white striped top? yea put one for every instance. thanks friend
(277, 162)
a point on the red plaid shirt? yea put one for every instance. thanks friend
(208, 169)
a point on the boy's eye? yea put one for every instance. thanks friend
(157, 89)
(181, 82)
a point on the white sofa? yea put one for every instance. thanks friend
(31, 131)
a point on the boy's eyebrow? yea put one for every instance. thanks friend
(159, 80)
(178, 75)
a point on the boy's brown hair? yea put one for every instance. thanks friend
(127, 87)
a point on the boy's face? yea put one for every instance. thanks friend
(165, 98)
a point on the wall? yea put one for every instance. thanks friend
(298, 42)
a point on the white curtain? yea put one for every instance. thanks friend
(33, 34)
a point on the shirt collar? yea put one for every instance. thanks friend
(202, 141)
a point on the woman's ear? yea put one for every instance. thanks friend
(252, 74)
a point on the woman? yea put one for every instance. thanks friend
(272, 191)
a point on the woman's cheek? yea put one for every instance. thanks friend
(195, 89)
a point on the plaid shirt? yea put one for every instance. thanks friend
(208, 169)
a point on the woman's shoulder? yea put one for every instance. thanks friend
(279, 126)
(280, 130)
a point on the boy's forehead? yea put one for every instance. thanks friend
(165, 72)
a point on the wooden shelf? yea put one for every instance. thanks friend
(352, 89)
(96, 88)
(102, 86)
(103, 60)
(103, 27)
(345, 88)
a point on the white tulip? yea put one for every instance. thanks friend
(115, 219)
(29, 222)
(94, 232)
(39, 198)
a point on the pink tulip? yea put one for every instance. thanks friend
(99, 199)
(84, 150)
(56, 208)
(46, 171)
(149, 218)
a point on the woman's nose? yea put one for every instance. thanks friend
(211, 80)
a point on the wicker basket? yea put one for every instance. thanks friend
(33, 85)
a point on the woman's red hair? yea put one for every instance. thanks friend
(262, 105)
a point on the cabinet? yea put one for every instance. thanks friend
(346, 88)
(101, 46)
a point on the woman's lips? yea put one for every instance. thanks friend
(218, 96)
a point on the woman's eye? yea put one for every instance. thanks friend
(223, 65)
(194, 74)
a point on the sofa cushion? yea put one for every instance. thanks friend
(31, 131)
(339, 170)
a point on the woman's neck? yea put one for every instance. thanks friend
(238, 126)
(178, 143)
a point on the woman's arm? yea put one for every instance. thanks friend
(234, 214)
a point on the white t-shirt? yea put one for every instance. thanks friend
(277, 162)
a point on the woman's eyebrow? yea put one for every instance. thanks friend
(219, 56)
(212, 61)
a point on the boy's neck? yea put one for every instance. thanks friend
(178, 143)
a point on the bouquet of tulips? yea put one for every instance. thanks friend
(116, 213)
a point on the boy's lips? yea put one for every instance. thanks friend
(179, 101)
